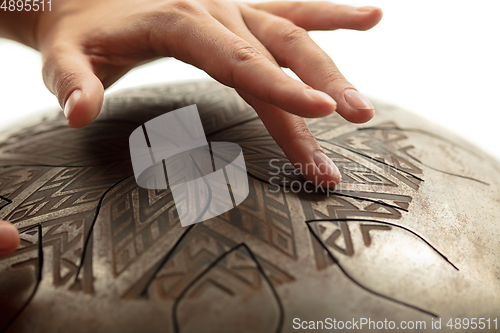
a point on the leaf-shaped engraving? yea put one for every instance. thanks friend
(213, 302)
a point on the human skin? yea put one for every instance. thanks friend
(87, 45)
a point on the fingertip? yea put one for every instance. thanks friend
(376, 16)
(324, 103)
(70, 77)
(84, 111)
(327, 174)
(359, 108)
(9, 238)
(314, 165)
(83, 106)
(317, 168)
(71, 102)
(371, 16)
(359, 116)
(368, 9)
(365, 115)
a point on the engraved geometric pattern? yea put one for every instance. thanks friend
(90, 235)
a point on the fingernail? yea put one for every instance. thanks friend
(321, 97)
(366, 8)
(356, 100)
(8, 236)
(325, 165)
(71, 102)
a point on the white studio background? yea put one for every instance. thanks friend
(438, 58)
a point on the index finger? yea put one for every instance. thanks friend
(203, 41)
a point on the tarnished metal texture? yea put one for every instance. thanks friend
(411, 233)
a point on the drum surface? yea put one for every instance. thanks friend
(411, 233)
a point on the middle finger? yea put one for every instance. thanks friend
(292, 47)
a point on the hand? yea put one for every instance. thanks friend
(88, 45)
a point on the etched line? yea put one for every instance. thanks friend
(391, 224)
(416, 130)
(279, 327)
(450, 173)
(371, 158)
(62, 165)
(211, 156)
(165, 173)
(281, 318)
(380, 202)
(163, 261)
(337, 194)
(332, 257)
(7, 201)
(166, 258)
(38, 273)
(148, 143)
(91, 229)
(243, 122)
(229, 187)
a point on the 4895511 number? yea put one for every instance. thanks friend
(26, 5)
(473, 323)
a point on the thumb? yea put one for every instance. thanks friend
(9, 238)
(68, 74)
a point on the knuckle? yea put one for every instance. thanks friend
(182, 6)
(217, 3)
(175, 17)
(334, 76)
(299, 134)
(244, 52)
(173, 13)
(65, 82)
(302, 134)
(58, 77)
(290, 34)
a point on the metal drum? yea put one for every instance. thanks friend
(411, 234)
